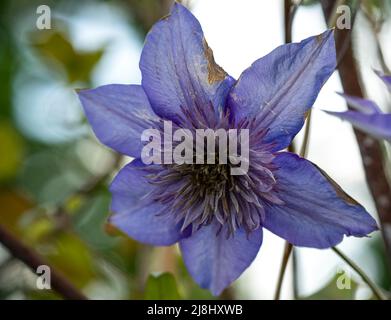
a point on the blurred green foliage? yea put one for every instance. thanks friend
(146, 12)
(52, 198)
(55, 49)
(377, 9)
(161, 287)
(55, 197)
(12, 150)
(50, 176)
(382, 263)
(331, 291)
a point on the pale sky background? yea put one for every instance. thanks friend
(239, 32)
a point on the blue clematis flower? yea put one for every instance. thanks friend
(217, 218)
(367, 116)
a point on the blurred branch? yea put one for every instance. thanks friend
(288, 20)
(306, 140)
(289, 247)
(376, 28)
(296, 279)
(284, 263)
(370, 149)
(303, 153)
(146, 12)
(33, 261)
(333, 17)
(290, 9)
(332, 21)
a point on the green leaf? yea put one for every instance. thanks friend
(54, 47)
(52, 175)
(72, 257)
(7, 69)
(377, 249)
(191, 290)
(90, 220)
(13, 207)
(340, 287)
(11, 151)
(161, 287)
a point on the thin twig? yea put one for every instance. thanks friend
(295, 274)
(287, 21)
(288, 246)
(304, 146)
(289, 13)
(33, 260)
(303, 153)
(284, 263)
(376, 291)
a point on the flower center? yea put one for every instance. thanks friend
(209, 178)
(196, 194)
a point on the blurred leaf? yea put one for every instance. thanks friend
(38, 229)
(147, 12)
(188, 285)
(125, 255)
(70, 255)
(11, 151)
(55, 47)
(90, 221)
(74, 203)
(377, 10)
(381, 261)
(7, 68)
(13, 205)
(162, 287)
(373, 5)
(43, 295)
(52, 175)
(331, 292)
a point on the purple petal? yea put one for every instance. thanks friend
(118, 115)
(317, 212)
(377, 125)
(135, 214)
(178, 69)
(360, 104)
(215, 261)
(385, 78)
(280, 88)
